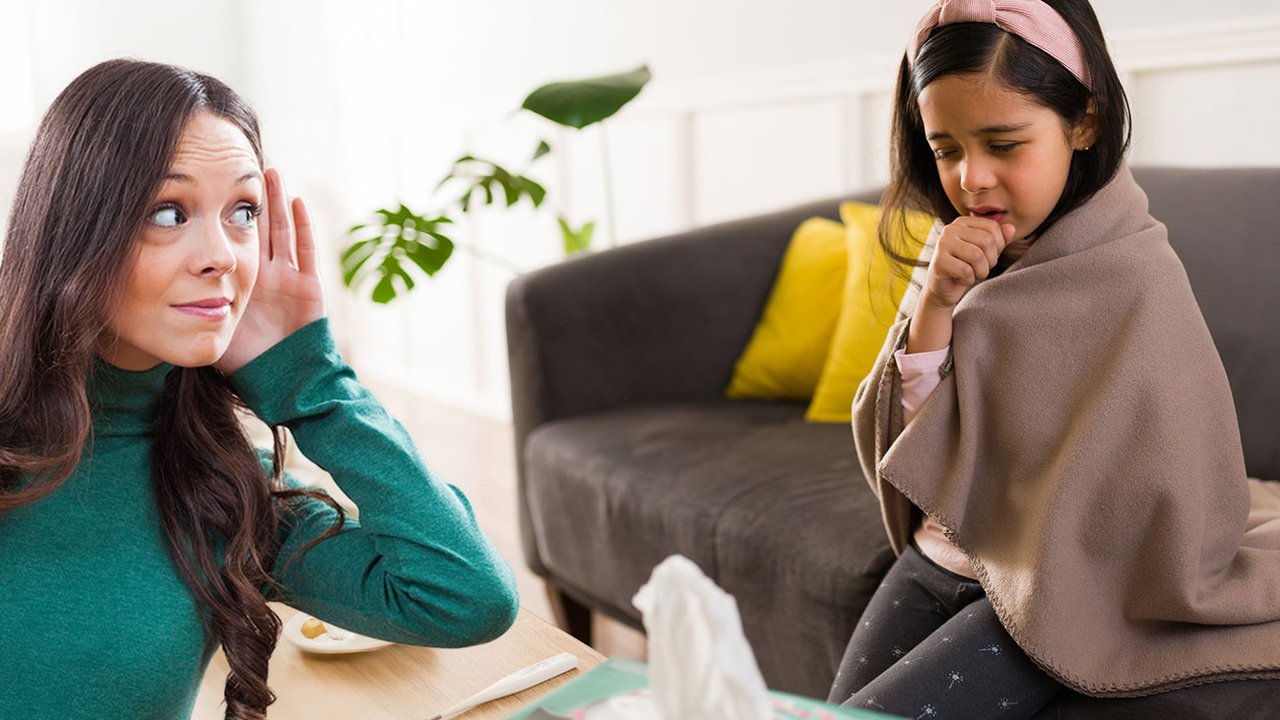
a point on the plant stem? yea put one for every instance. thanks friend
(608, 189)
(490, 258)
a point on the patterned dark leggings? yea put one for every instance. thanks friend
(930, 646)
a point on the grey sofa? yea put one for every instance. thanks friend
(628, 450)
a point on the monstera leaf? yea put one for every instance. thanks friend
(399, 237)
(579, 103)
(384, 252)
(482, 177)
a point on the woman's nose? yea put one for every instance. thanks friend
(215, 255)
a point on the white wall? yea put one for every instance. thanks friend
(45, 44)
(754, 106)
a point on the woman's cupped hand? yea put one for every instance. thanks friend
(288, 293)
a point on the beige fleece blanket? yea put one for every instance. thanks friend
(1083, 451)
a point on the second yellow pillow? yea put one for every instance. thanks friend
(872, 293)
(784, 358)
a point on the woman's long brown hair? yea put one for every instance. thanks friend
(93, 171)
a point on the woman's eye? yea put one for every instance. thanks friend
(942, 154)
(246, 215)
(167, 216)
(1005, 147)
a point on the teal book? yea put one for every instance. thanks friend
(617, 677)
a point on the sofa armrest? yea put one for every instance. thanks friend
(661, 321)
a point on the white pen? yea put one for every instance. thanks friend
(515, 682)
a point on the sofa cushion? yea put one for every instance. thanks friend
(784, 358)
(873, 291)
(803, 553)
(718, 483)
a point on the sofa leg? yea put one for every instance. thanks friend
(572, 616)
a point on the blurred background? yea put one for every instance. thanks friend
(753, 106)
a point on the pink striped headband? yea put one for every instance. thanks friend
(1031, 20)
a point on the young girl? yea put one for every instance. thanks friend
(156, 279)
(1050, 431)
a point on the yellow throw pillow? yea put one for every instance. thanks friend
(785, 355)
(872, 294)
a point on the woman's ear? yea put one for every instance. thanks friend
(1085, 133)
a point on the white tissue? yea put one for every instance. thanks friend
(700, 665)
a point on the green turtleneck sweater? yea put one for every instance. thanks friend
(95, 621)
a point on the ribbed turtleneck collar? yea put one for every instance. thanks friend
(122, 401)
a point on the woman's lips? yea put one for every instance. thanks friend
(206, 309)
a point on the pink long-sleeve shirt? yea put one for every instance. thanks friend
(920, 377)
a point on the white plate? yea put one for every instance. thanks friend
(353, 643)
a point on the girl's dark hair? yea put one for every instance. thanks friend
(963, 48)
(94, 169)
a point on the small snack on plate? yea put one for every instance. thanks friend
(312, 628)
(315, 635)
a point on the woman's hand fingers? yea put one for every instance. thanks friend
(264, 223)
(282, 240)
(287, 294)
(305, 237)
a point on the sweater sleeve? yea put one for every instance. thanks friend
(415, 568)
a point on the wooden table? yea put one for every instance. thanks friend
(401, 682)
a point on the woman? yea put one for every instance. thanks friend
(156, 279)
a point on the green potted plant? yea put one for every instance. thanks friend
(389, 250)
